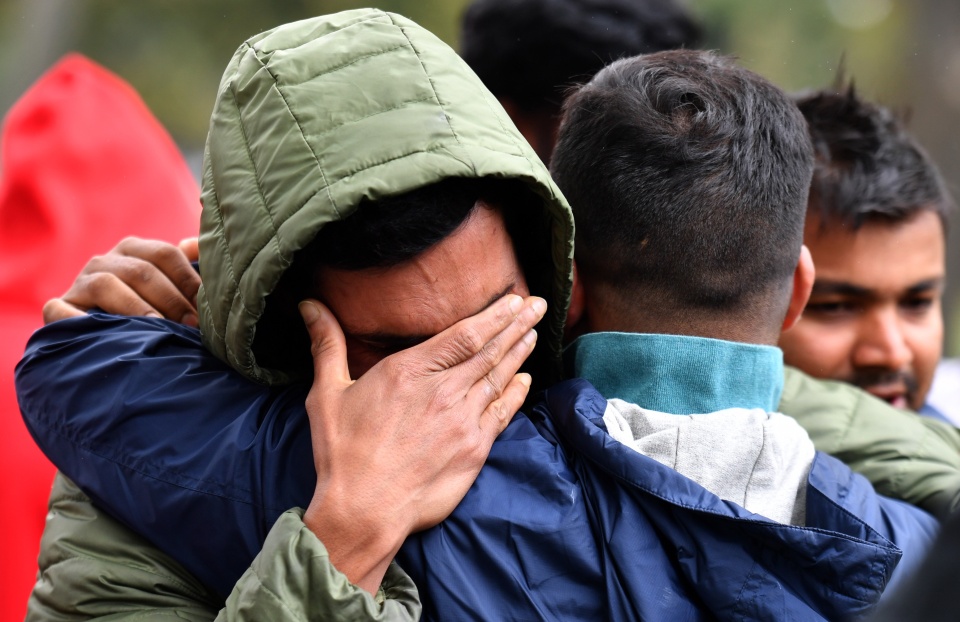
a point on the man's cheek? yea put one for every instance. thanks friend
(819, 349)
(927, 345)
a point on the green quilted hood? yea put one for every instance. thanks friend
(314, 117)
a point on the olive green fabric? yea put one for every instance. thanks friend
(312, 118)
(905, 456)
(92, 567)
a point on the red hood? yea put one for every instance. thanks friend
(85, 164)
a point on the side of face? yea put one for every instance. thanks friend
(874, 318)
(385, 310)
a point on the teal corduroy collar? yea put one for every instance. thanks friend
(678, 374)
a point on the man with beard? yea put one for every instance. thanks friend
(876, 227)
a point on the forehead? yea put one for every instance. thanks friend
(452, 280)
(880, 255)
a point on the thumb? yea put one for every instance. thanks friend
(191, 248)
(327, 345)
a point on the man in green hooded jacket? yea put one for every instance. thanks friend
(401, 115)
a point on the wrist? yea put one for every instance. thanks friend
(359, 544)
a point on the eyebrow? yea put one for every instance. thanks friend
(394, 342)
(842, 288)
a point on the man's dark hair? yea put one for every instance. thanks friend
(389, 232)
(867, 166)
(688, 179)
(531, 51)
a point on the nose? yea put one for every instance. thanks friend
(882, 341)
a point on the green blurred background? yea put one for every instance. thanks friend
(902, 53)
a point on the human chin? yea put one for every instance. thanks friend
(899, 388)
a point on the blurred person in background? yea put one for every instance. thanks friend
(529, 53)
(876, 227)
(84, 164)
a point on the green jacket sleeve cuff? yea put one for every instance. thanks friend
(292, 579)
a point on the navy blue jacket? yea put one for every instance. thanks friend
(562, 523)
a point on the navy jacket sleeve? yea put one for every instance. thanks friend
(167, 438)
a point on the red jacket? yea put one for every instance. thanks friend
(84, 164)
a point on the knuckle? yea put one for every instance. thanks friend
(403, 371)
(490, 353)
(441, 399)
(185, 278)
(469, 339)
(498, 410)
(97, 263)
(166, 253)
(490, 389)
(495, 382)
(317, 347)
(434, 406)
(501, 413)
(98, 282)
(137, 272)
(396, 370)
(51, 309)
(128, 242)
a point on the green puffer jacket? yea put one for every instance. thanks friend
(92, 567)
(904, 455)
(311, 119)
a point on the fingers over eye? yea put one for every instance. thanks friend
(484, 339)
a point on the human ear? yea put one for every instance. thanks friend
(803, 278)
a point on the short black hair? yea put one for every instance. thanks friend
(688, 178)
(532, 51)
(388, 232)
(867, 165)
(385, 233)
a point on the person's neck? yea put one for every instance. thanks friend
(604, 313)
